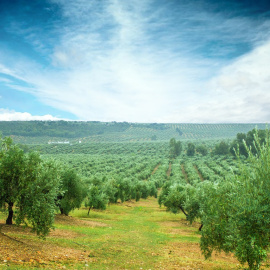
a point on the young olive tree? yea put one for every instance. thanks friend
(222, 148)
(28, 187)
(175, 199)
(185, 198)
(175, 148)
(96, 198)
(202, 149)
(191, 149)
(72, 191)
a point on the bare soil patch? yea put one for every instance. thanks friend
(200, 175)
(169, 170)
(153, 172)
(184, 172)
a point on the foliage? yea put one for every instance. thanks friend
(96, 198)
(30, 184)
(202, 149)
(72, 191)
(175, 148)
(180, 197)
(222, 148)
(242, 140)
(124, 189)
(175, 200)
(191, 149)
(110, 188)
(237, 213)
(239, 145)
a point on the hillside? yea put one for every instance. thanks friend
(30, 132)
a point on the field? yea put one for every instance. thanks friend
(36, 132)
(129, 234)
(132, 235)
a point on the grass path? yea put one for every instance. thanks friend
(125, 236)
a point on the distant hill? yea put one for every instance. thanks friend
(32, 132)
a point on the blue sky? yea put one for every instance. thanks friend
(201, 61)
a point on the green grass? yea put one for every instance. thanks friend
(133, 236)
(127, 240)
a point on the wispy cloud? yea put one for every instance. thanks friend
(143, 62)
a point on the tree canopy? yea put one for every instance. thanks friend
(28, 184)
(175, 148)
(72, 191)
(222, 148)
(191, 149)
(236, 211)
(202, 149)
(242, 140)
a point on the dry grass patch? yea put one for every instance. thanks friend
(184, 252)
(20, 246)
(188, 256)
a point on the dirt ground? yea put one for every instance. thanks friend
(31, 250)
(19, 246)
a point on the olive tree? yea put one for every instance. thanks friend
(96, 198)
(72, 191)
(236, 215)
(175, 148)
(191, 149)
(28, 187)
(202, 149)
(185, 198)
(222, 148)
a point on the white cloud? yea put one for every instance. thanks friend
(239, 93)
(8, 115)
(5, 80)
(245, 84)
(122, 61)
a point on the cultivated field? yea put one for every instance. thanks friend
(134, 231)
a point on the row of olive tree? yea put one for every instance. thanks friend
(240, 142)
(234, 213)
(175, 149)
(102, 191)
(222, 147)
(32, 188)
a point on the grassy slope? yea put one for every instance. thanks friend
(125, 236)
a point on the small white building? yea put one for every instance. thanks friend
(58, 142)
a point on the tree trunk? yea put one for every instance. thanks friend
(10, 213)
(201, 227)
(89, 210)
(182, 209)
(62, 211)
